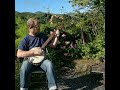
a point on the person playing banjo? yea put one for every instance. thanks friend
(30, 48)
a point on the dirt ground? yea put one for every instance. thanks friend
(72, 80)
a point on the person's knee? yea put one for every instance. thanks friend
(49, 66)
(25, 66)
(49, 63)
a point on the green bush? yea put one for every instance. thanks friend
(93, 50)
(17, 75)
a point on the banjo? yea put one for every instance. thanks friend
(35, 60)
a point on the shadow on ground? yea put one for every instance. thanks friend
(85, 82)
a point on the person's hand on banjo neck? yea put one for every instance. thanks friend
(37, 50)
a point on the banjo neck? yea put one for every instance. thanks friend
(47, 41)
(50, 38)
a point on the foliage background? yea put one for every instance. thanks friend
(86, 29)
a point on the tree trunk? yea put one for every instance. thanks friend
(94, 28)
(90, 38)
(82, 36)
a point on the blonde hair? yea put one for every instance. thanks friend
(32, 22)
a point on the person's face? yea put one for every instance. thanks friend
(35, 29)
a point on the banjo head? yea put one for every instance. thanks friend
(37, 59)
